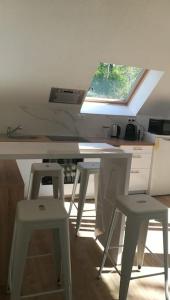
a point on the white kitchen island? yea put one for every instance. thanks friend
(113, 179)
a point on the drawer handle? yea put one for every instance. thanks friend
(136, 156)
(135, 172)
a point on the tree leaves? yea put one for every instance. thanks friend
(114, 81)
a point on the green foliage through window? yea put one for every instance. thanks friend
(114, 82)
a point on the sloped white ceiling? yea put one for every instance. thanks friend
(45, 43)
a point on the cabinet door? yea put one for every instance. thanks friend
(139, 179)
(137, 149)
(141, 161)
(160, 170)
(140, 167)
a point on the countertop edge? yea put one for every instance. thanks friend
(112, 141)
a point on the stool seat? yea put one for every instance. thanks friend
(46, 168)
(41, 210)
(35, 215)
(39, 170)
(140, 205)
(138, 209)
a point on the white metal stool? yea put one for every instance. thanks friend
(33, 215)
(138, 209)
(85, 169)
(38, 170)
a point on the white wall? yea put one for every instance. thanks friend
(45, 43)
(55, 120)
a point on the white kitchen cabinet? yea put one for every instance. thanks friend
(140, 167)
(159, 183)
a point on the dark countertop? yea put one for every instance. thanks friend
(119, 142)
(78, 139)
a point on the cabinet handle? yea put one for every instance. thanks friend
(136, 156)
(135, 172)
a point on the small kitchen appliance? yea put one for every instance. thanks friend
(160, 127)
(131, 131)
(115, 130)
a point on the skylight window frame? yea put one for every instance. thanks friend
(111, 101)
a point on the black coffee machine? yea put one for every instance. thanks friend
(131, 133)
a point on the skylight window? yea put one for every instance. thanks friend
(114, 83)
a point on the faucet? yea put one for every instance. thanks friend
(10, 131)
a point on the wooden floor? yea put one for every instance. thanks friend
(86, 257)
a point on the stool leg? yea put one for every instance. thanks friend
(29, 186)
(96, 185)
(66, 263)
(130, 243)
(165, 245)
(82, 197)
(35, 186)
(141, 243)
(21, 241)
(57, 253)
(74, 190)
(55, 182)
(61, 186)
(11, 258)
(108, 241)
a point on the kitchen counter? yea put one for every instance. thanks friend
(67, 139)
(47, 150)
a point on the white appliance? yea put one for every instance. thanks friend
(159, 183)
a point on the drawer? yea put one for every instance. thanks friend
(141, 160)
(139, 180)
(137, 149)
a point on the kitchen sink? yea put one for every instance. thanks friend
(78, 139)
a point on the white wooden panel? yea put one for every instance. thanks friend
(160, 170)
(139, 180)
(137, 148)
(141, 160)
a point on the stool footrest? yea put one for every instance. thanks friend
(40, 255)
(136, 277)
(147, 275)
(153, 254)
(42, 293)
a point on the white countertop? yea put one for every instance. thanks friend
(29, 150)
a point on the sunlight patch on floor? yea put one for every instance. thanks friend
(154, 236)
(153, 287)
(88, 220)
